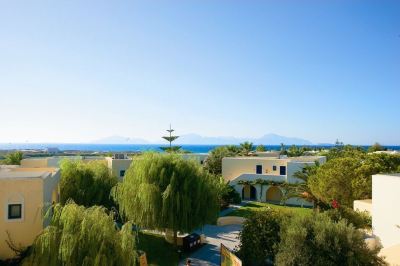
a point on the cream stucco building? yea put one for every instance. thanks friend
(118, 163)
(25, 196)
(236, 170)
(385, 213)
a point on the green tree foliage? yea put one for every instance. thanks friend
(80, 236)
(341, 151)
(164, 191)
(349, 178)
(228, 194)
(338, 180)
(376, 147)
(302, 189)
(357, 219)
(13, 158)
(261, 148)
(171, 138)
(260, 238)
(246, 148)
(86, 184)
(213, 163)
(317, 240)
(295, 151)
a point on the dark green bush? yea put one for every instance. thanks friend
(229, 195)
(260, 238)
(318, 240)
(357, 219)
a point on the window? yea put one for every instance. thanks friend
(274, 168)
(259, 169)
(282, 170)
(121, 173)
(14, 211)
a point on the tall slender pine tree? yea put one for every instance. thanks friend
(170, 139)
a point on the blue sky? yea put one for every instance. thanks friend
(76, 71)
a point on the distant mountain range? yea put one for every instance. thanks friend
(268, 139)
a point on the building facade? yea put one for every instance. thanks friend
(385, 208)
(26, 194)
(118, 163)
(244, 172)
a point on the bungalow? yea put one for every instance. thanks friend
(25, 196)
(242, 173)
(118, 163)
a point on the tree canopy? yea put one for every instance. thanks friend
(13, 158)
(171, 138)
(347, 178)
(376, 147)
(317, 240)
(246, 148)
(260, 238)
(80, 236)
(213, 163)
(261, 148)
(270, 237)
(164, 191)
(86, 184)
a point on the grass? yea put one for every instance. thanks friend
(253, 207)
(158, 251)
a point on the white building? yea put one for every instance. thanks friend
(385, 208)
(385, 212)
(238, 170)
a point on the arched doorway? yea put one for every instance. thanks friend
(274, 194)
(249, 192)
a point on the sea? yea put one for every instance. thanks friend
(134, 147)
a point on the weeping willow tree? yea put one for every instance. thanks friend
(86, 184)
(80, 236)
(166, 192)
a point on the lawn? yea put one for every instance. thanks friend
(252, 207)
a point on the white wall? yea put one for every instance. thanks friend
(386, 209)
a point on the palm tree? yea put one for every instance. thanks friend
(302, 190)
(246, 148)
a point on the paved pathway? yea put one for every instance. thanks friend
(208, 255)
(232, 207)
(215, 236)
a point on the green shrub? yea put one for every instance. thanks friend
(317, 240)
(230, 195)
(260, 238)
(357, 219)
